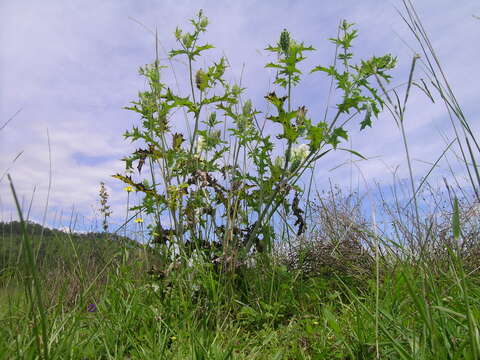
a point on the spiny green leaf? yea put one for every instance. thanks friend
(338, 132)
(316, 134)
(367, 120)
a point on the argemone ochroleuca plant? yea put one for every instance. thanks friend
(219, 184)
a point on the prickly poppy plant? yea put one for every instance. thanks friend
(217, 186)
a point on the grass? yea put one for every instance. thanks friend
(344, 289)
(313, 302)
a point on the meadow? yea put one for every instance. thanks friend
(242, 261)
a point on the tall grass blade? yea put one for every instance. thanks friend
(32, 272)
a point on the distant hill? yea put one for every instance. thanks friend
(53, 246)
(35, 229)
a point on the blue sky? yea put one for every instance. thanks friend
(70, 66)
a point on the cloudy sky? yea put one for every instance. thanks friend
(68, 67)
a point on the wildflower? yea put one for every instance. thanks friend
(138, 220)
(91, 308)
(173, 338)
(316, 323)
(128, 188)
(300, 152)
(201, 143)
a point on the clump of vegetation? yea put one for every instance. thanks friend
(221, 184)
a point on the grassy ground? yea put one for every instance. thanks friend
(300, 305)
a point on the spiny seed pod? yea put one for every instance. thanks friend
(201, 80)
(285, 41)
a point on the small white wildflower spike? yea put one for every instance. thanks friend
(300, 152)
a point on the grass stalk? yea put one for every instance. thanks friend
(31, 271)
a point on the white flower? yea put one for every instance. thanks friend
(300, 152)
(201, 143)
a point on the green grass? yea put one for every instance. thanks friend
(345, 291)
(265, 311)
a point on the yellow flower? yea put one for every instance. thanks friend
(138, 220)
(315, 323)
(173, 338)
(128, 188)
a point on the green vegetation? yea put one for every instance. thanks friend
(249, 266)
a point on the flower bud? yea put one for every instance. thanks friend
(204, 22)
(187, 40)
(201, 80)
(178, 34)
(285, 41)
